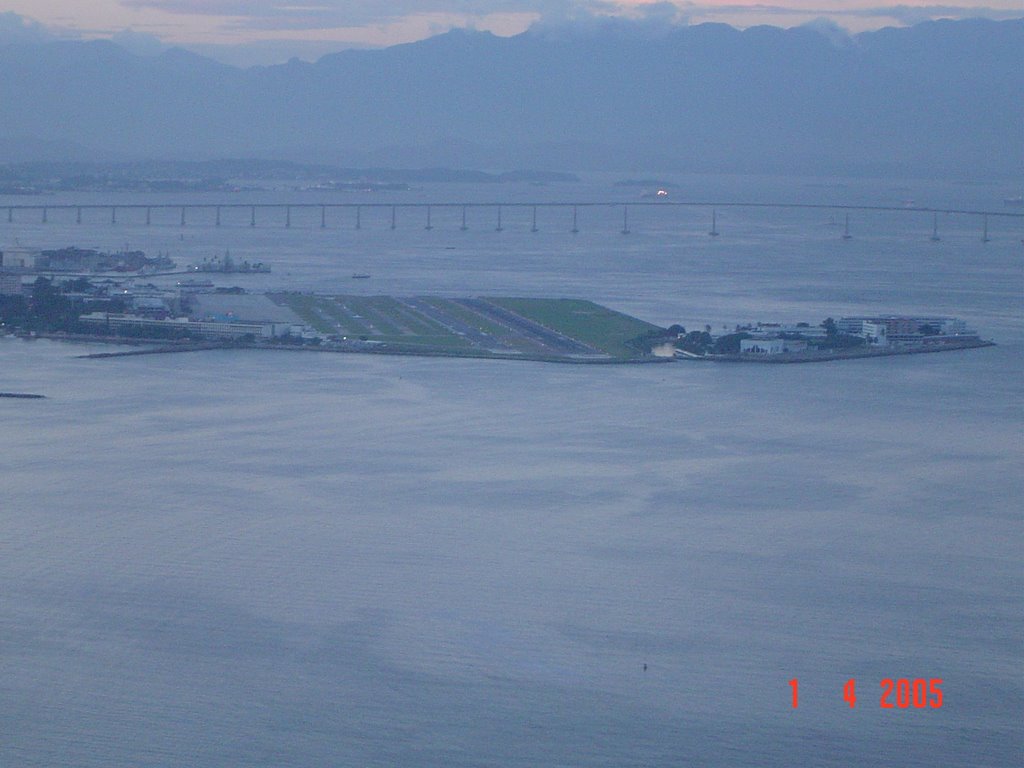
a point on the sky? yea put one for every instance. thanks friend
(248, 32)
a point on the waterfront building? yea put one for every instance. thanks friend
(17, 257)
(117, 322)
(876, 334)
(804, 330)
(903, 324)
(771, 346)
(886, 330)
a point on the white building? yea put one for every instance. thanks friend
(116, 322)
(899, 328)
(805, 330)
(762, 346)
(875, 333)
(770, 346)
(17, 257)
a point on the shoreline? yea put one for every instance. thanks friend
(163, 347)
(852, 354)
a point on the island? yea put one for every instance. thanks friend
(842, 339)
(195, 315)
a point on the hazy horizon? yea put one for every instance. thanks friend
(262, 34)
(936, 99)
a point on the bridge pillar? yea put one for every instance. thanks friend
(323, 216)
(149, 216)
(429, 225)
(625, 219)
(499, 227)
(287, 216)
(393, 214)
(463, 227)
(113, 214)
(78, 215)
(574, 229)
(252, 216)
(183, 216)
(217, 222)
(44, 215)
(359, 222)
(10, 215)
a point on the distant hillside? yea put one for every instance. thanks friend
(936, 98)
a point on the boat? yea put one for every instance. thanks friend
(360, 276)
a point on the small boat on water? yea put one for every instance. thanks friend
(360, 276)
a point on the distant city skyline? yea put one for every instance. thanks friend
(267, 31)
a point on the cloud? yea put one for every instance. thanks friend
(297, 15)
(602, 16)
(18, 29)
(914, 14)
(908, 14)
(830, 30)
(332, 14)
(139, 43)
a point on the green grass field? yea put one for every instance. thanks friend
(433, 323)
(306, 307)
(584, 321)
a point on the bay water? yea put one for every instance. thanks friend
(242, 558)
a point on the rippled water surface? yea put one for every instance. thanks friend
(270, 558)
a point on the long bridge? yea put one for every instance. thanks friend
(186, 213)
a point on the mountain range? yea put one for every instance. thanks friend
(937, 98)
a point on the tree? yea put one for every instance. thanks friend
(50, 309)
(14, 311)
(730, 343)
(696, 342)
